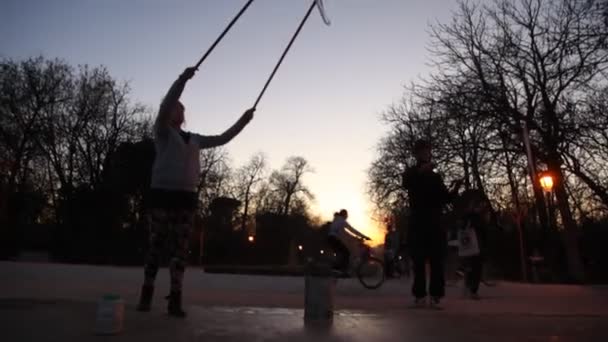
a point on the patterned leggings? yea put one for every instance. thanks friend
(168, 227)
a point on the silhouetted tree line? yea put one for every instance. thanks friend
(59, 126)
(76, 155)
(504, 70)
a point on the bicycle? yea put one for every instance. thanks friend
(368, 268)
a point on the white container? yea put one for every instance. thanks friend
(110, 315)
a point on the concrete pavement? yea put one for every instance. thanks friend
(54, 302)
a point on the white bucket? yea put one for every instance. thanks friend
(110, 315)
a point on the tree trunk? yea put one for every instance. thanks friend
(516, 202)
(476, 172)
(465, 167)
(570, 235)
(245, 211)
(285, 210)
(539, 198)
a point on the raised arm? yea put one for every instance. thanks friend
(356, 232)
(208, 141)
(170, 101)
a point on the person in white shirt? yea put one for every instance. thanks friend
(172, 199)
(337, 229)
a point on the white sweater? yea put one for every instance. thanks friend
(177, 163)
(340, 225)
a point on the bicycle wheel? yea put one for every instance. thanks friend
(371, 273)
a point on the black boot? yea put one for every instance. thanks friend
(145, 300)
(175, 304)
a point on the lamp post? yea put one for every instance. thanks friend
(546, 182)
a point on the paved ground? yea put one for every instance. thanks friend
(51, 302)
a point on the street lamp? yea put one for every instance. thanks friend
(546, 181)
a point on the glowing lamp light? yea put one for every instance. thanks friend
(251, 238)
(322, 252)
(300, 247)
(546, 182)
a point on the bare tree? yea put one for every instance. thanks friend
(530, 59)
(247, 179)
(265, 200)
(288, 183)
(537, 65)
(67, 122)
(27, 89)
(215, 177)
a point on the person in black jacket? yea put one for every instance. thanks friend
(426, 238)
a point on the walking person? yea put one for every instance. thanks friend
(477, 217)
(172, 199)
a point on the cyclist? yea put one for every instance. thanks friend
(339, 231)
